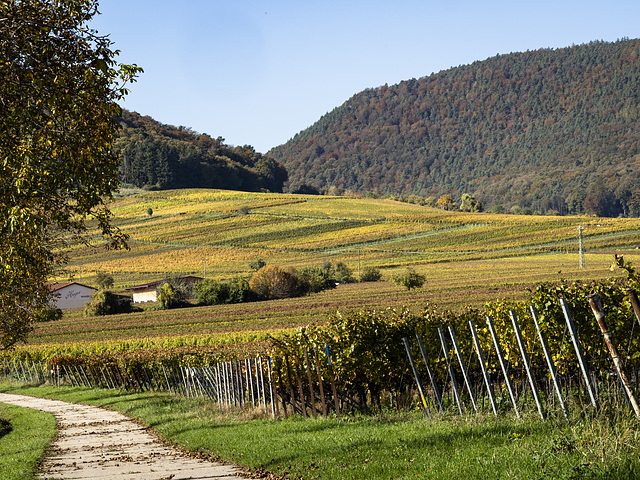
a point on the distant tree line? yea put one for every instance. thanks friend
(548, 131)
(158, 156)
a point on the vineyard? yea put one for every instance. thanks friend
(547, 358)
(226, 230)
(470, 261)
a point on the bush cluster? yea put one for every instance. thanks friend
(272, 282)
(211, 292)
(105, 302)
(409, 279)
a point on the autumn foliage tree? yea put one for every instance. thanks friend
(468, 203)
(446, 202)
(272, 282)
(58, 103)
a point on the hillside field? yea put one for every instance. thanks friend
(228, 229)
(468, 259)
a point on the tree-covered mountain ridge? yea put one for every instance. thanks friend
(155, 155)
(546, 130)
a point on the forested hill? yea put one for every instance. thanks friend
(544, 130)
(163, 156)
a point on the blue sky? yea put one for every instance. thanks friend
(258, 72)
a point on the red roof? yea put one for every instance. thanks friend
(145, 285)
(54, 287)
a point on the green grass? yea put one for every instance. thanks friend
(390, 446)
(23, 446)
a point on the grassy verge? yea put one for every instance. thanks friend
(390, 446)
(22, 447)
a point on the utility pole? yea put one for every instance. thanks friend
(204, 267)
(581, 245)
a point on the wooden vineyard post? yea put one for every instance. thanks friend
(187, 382)
(234, 382)
(225, 378)
(249, 370)
(578, 349)
(322, 399)
(549, 359)
(274, 401)
(282, 388)
(260, 368)
(527, 364)
(222, 380)
(432, 378)
(291, 391)
(312, 396)
(220, 383)
(333, 381)
(635, 303)
(214, 385)
(596, 306)
(416, 376)
(15, 367)
(167, 379)
(303, 403)
(503, 366)
(454, 384)
(483, 366)
(241, 383)
(231, 392)
(462, 367)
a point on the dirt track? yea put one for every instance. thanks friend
(94, 443)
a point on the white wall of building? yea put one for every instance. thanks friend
(148, 295)
(73, 295)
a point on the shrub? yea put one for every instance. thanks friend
(104, 280)
(257, 264)
(105, 302)
(174, 293)
(343, 274)
(409, 279)
(210, 292)
(239, 291)
(318, 278)
(273, 282)
(370, 274)
(169, 296)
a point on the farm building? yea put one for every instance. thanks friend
(148, 292)
(69, 295)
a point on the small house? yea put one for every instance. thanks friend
(148, 292)
(69, 295)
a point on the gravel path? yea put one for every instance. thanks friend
(98, 444)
